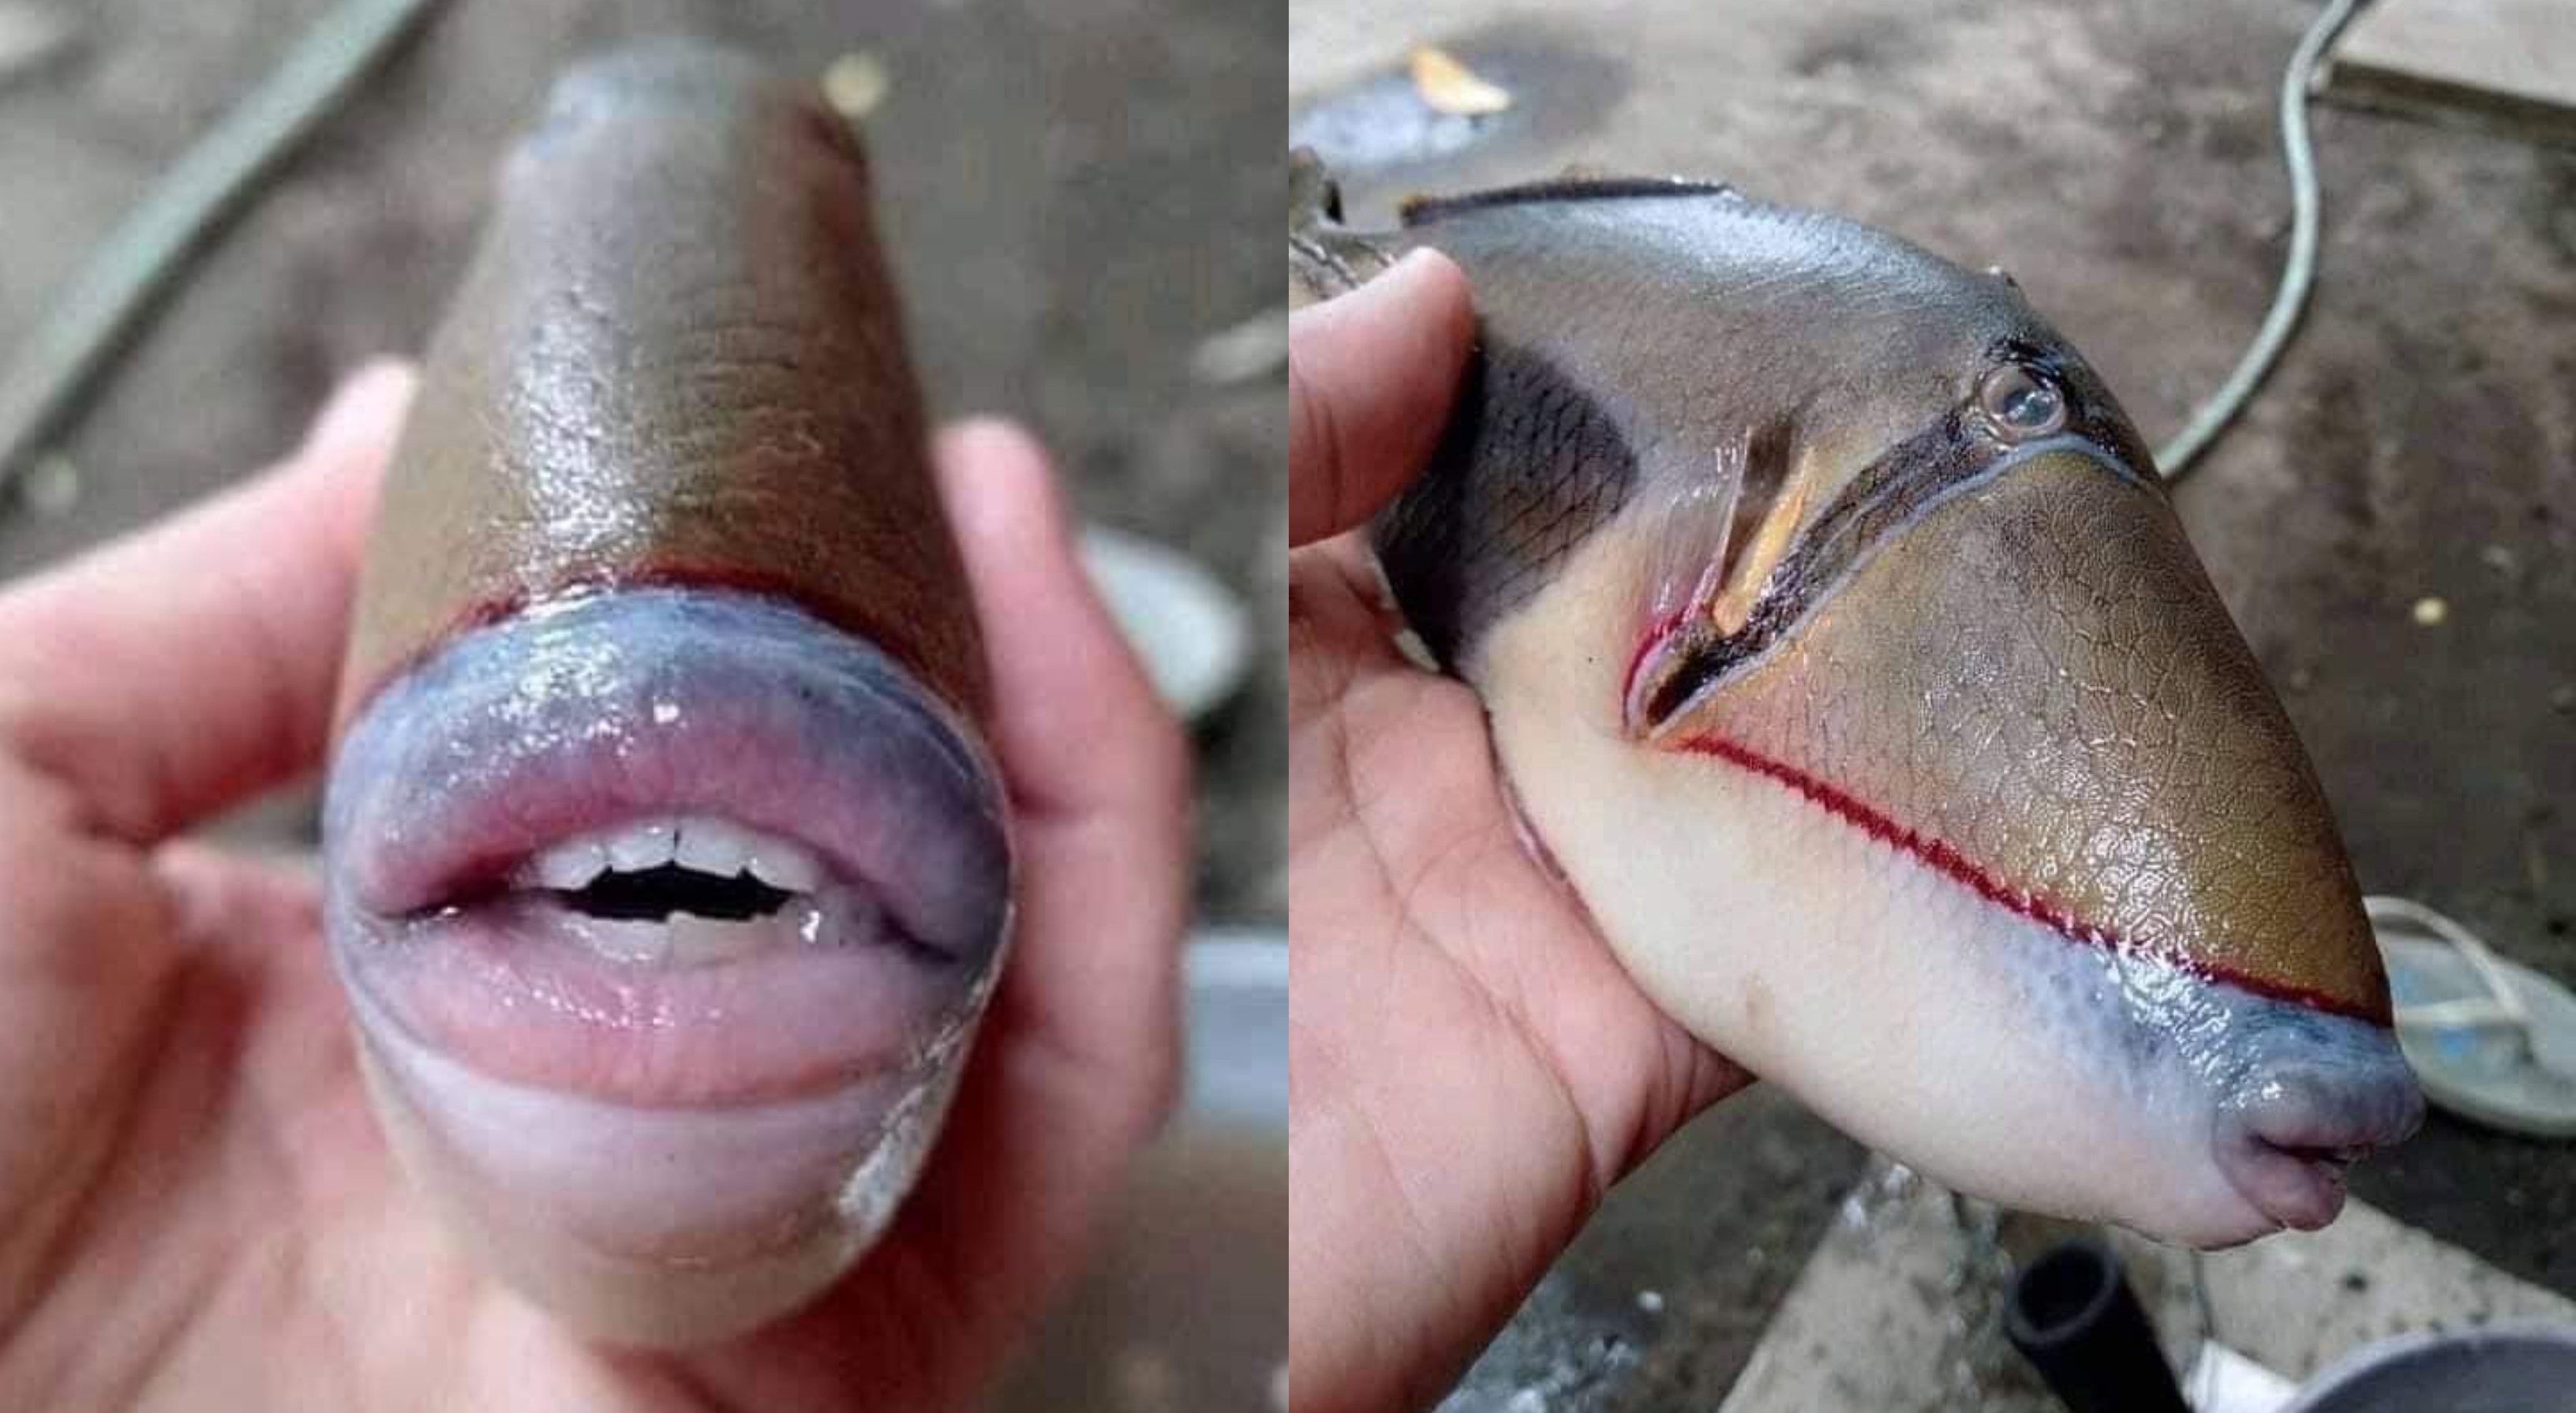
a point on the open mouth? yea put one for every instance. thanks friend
(695, 891)
(666, 848)
(2299, 1188)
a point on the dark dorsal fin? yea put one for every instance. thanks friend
(1423, 210)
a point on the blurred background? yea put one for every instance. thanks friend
(2391, 521)
(1081, 200)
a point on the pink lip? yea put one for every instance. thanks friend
(2300, 1192)
(502, 991)
(646, 705)
(475, 968)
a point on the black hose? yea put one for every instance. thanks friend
(2072, 1314)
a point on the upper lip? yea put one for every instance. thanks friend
(886, 804)
(462, 844)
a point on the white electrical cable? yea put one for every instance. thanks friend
(2298, 272)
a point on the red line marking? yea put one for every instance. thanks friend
(1656, 632)
(2039, 908)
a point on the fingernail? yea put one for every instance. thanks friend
(1409, 278)
(993, 436)
(1424, 289)
(360, 404)
(1005, 476)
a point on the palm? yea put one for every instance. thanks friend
(214, 1187)
(1473, 1024)
(252, 1244)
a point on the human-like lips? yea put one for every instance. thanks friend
(665, 848)
(2304, 1113)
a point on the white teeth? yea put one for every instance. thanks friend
(785, 867)
(700, 843)
(713, 846)
(699, 941)
(641, 943)
(641, 846)
(817, 915)
(570, 867)
(684, 939)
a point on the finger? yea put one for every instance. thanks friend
(1077, 1053)
(1103, 857)
(1370, 378)
(1098, 774)
(81, 973)
(1082, 1039)
(1338, 609)
(227, 899)
(1081, 734)
(180, 669)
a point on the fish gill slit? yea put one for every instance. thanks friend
(1765, 514)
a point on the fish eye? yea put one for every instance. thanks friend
(2021, 403)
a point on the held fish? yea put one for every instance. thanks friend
(667, 869)
(1842, 652)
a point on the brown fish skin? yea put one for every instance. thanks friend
(676, 358)
(660, 558)
(1842, 648)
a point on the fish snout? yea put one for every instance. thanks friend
(2300, 1121)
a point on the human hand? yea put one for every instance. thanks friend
(1470, 1069)
(200, 1210)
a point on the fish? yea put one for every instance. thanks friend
(667, 869)
(1843, 655)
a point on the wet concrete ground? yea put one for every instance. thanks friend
(1076, 196)
(2419, 440)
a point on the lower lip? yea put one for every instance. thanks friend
(501, 991)
(2298, 1192)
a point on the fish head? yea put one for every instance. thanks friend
(667, 872)
(1845, 652)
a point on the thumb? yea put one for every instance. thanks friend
(1370, 378)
